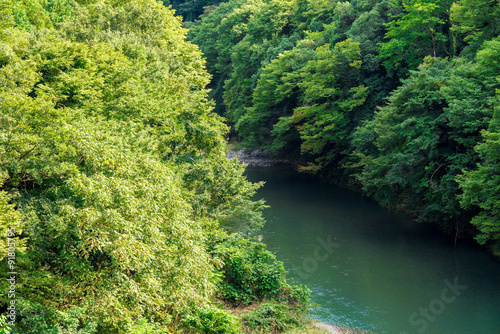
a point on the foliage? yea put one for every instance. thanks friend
(419, 30)
(306, 94)
(319, 83)
(212, 320)
(274, 89)
(5, 328)
(481, 187)
(271, 317)
(248, 54)
(221, 193)
(191, 10)
(114, 166)
(414, 147)
(39, 319)
(216, 34)
(477, 20)
(250, 272)
(9, 222)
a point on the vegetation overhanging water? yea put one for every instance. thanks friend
(119, 212)
(372, 269)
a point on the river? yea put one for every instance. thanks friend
(372, 269)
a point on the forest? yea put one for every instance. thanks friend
(119, 211)
(397, 99)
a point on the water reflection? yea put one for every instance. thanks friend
(375, 270)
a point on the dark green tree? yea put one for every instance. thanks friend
(419, 29)
(415, 146)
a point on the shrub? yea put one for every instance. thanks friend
(212, 320)
(250, 272)
(271, 317)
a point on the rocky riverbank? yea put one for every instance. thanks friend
(256, 158)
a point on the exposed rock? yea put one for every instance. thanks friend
(256, 158)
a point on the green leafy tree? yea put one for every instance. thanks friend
(306, 97)
(330, 96)
(116, 167)
(222, 194)
(419, 29)
(368, 30)
(34, 14)
(247, 55)
(410, 153)
(276, 95)
(10, 226)
(481, 184)
(481, 187)
(216, 34)
(270, 70)
(477, 20)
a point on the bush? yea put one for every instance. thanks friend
(35, 318)
(271, 317)
(296, 297)
(212, 320)
(250, 272)
(4, 326)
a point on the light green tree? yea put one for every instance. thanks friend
(419, 29)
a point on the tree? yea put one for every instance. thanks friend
(418, 30)
(216, 34)
(330, 96)
(276, 95)
(248, 54)
(481, 183)
(415, 146)
(478, 20)
(481, 186)
(116, 167)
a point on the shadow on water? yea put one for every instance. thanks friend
(372, 269)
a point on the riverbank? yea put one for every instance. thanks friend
(259, 158)
(256, 158)
(331, 329)
(363, 264)
(303, 325)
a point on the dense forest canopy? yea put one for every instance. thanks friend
(115, 189)
(125, 213)
(396, 98)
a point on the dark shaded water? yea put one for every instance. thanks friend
(372, 269)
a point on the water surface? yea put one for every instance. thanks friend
(372, 269)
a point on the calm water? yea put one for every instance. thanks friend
(372, 269)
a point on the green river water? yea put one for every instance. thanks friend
(372, 269)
